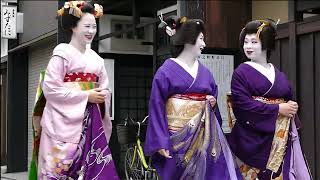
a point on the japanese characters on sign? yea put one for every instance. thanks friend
(9, 22)
(221, 67)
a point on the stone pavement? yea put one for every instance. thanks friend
(13, 176)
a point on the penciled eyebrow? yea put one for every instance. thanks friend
(89, 24)
(252, 39)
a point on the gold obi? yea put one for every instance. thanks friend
(280, 138)
(181, 108)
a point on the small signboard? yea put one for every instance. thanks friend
(221, 67)
(9, 22)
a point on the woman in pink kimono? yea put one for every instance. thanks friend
(75, 127)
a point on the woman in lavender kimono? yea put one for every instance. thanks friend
(75, 127)
(262, 102)
(184, 136)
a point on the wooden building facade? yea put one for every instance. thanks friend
(297, 54)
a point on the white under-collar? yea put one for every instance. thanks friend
(193, 71)
(269, 72)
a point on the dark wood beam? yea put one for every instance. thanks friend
(293, 14)
(282, 31)
(292, 71)
(224, 21)
(317, 103)
(135, 16)
(303, 5)
(114, 5)
(17, 111)
(306, 98)
(308, 26)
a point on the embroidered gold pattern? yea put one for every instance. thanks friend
(180, 112)
(195, 146)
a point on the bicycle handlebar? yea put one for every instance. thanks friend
(135, 123)
(145, 118)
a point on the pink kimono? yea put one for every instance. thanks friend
(67, 116)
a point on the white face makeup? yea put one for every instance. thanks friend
(86, 29)
(252, 48)
(200, 44)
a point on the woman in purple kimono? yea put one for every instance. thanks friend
(184, 136)
(75, 127)
(264, 137)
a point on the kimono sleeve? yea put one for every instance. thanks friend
(104, 84)
(157, 136)
(69, 103)
(249, 112)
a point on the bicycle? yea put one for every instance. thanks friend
(137, 166)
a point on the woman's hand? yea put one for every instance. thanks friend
(212, 100)
(288, 109)
(164, 153)
(97, 95)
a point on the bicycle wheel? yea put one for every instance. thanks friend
(133, 166)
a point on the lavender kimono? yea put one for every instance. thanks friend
(197, 144)
(254, 134)
(74, 133)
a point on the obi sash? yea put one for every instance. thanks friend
(196, 135)
(181, 108)
(280, 138)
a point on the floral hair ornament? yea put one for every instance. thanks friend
(170, 31)
(98, 10)
(75, 8)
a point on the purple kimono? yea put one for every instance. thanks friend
(172, 79)
(252, 135)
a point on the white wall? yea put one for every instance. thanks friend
(39, 18)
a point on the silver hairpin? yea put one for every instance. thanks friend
(161, 18)
(278, 22)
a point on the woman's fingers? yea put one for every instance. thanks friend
(98, 89)
(212, 100)
(294, 109)
(294, 104)
(165, 153)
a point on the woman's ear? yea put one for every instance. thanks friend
(73, 29)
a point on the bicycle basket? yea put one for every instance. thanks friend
(127, 133)
(123, 134)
